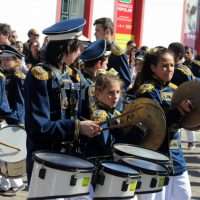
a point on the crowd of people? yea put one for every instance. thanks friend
(66, 91)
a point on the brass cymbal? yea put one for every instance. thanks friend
(148, 114)
(189, 90)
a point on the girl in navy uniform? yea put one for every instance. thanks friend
(51, 96)
(155, 77)
(103, 100)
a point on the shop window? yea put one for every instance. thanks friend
(72, 9)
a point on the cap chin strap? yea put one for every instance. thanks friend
(64, 36)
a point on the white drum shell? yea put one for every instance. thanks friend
(112, 187)
(57, 183)
(12, 161)
(146, 182)
(12, 170)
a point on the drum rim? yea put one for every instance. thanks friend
(61, 167)
(118, 173)
(13, 125)
(146, 171)
(119, 152)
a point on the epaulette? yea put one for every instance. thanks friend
(91, 90)
(20, 74)
(185, 70)
(116, 113)
(111, 71)
(99, 116)
(116, 50)
(173, 86)
(147, 87)
(196, 62)
(69, 71)
(40, 73)
(2, 76)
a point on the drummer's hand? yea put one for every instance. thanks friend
(89, 128)
(185, 106)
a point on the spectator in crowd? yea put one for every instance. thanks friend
(33, 56)
(33, 36)
(13, 38)
(19, 46)
(5, 32)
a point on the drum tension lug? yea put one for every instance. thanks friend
(166, 181)
(42, 173)
(124, 186)
(153, 183)
(101, 179)
(138, 186)
(73, 180)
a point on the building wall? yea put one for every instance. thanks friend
(25, 14)
(162, 22)
(102, 8)
(161, 25)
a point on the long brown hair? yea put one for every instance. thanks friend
(152, 57)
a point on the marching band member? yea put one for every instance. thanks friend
(51, 97)
(190, 62)
(104, 29)
(194, 66)
(102, 105)
(12, 102)
(95, 58)
(156, 74)
(182, 72)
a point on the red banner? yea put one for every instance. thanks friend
(124, 17)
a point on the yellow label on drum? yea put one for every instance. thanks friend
(85, 181)
(132, 186)
(161, 181)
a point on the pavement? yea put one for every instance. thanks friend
(193, 161)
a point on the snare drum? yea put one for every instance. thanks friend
(57, 175)
(153, 176)
(115, 181)
(128, 150)
(12, 151)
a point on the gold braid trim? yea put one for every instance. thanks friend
(20, 75)
(77, 130)
(146, 88)
(2, 76)
(39, 73)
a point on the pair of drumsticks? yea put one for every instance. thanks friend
(117, 117)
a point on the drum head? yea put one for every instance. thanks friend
(139, 152)
(62, 161)
(145, 166)
(118, 169)
(12, 144)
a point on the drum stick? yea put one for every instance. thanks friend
(112, 126)
(114, 118)
(11, 146)
(117, 126)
